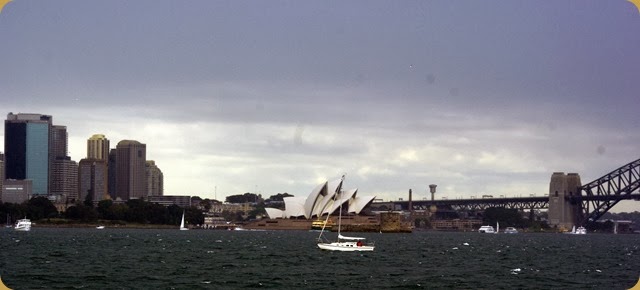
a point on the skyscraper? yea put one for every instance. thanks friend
(64, 178)
(154, 179)
(26, 146)
(92, 179)
(59, 142)
(98, 147)
(131, 178)
(111, 176)
(63, 173)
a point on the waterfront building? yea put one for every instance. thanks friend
(155, 182)
(98, 147)
(326, 198)
(92, 179)
(167, 200)
(131, 178)
(16, 191)
(26, 146)
(218, 208)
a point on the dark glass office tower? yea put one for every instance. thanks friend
(26, 147)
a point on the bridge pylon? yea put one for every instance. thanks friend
(562, 212)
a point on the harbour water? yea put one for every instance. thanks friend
(48, 258)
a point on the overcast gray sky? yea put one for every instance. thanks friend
(479, 97)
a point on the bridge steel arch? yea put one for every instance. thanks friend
(600, 195)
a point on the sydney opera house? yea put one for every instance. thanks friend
(325, 199)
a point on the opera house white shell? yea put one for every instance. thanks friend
(326, 198)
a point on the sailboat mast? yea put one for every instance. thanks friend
(335, 196)
(340, 220)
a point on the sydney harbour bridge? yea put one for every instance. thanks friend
(568, 203)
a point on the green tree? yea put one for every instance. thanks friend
(104, 209)
(41, 207)
(81, 212)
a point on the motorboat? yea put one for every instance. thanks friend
(100, 228)
(23, 225)
(510, 230)
(486, 230)
(577, 231)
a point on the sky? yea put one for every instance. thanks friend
(478, 97)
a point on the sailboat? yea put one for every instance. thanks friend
(344, 243)
(497, 227)
(182, 227)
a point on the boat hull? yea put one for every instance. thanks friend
(345, 247)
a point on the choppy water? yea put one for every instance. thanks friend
(170, 259)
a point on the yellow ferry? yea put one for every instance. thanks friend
(318, 224)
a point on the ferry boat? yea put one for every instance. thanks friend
(486, 230)
(317, 225)
(23, 225)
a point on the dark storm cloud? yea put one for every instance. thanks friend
(396, 93)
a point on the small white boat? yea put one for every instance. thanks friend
(23, 225)
(486, 230)
(182, 227)
(100, 228)
(577, 231)
(510, 230)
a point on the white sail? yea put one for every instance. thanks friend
(182, 228)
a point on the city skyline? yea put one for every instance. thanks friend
(478, 98)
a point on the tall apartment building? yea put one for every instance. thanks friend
(93, 171)
(131, 178)
(154, 179)
(27, 142)
(111, 176)
(98, 147)
(59, 142)
(63, 173)
(92, 179)
(64, 178)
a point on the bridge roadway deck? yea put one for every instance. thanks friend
(535, 202)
